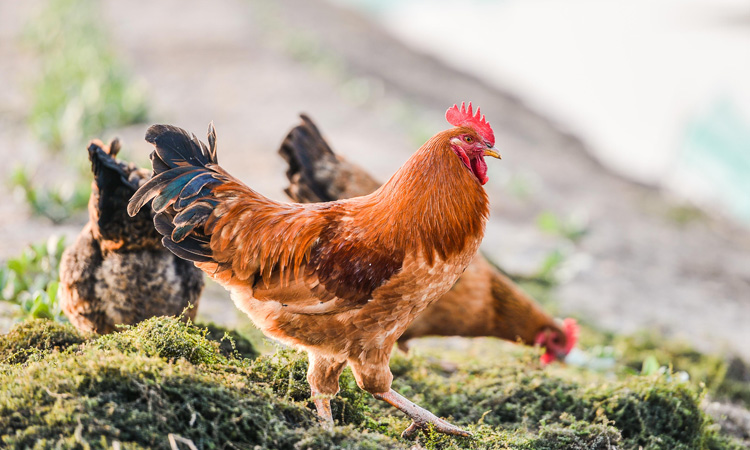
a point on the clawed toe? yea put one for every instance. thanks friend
(439, 425)
(410, 432)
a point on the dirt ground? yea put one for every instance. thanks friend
(251, 66)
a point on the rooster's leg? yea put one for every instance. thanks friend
(323, 375)
(323, 405)
(421, 418)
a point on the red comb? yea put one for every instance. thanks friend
(464, 117)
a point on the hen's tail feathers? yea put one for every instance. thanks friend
(316, 173)
(112, 188)
(108, 173)
(185, 172)
(305, 150)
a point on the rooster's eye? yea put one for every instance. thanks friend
(468, 139)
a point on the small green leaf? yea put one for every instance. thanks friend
(51, 291)
(549, 222)
(650, 365)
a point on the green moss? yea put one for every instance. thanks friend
(578, 435)
(286, 373)
(160, 377)
(37, 336)
(573, 435)
(139, 399)
(652, 413)
(648, 412)
(725, 378)
(166, 337)
(347, 437)
(231, 342)
(166, 377)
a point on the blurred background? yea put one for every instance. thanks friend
(657, 88)
(623, 196)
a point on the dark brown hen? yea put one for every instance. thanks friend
(117, 272)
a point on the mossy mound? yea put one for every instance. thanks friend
(725, 378)
(35, 336)
(158, 378)
(286, 373)
(166, 377)
(231, 342)
(166, 338)
(550, 411)
(138, 400)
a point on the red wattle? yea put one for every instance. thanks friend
(479, 167)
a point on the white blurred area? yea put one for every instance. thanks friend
(660, 89)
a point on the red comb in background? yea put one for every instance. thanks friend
(571, 329)
(463, 117)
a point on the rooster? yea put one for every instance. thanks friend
(483, 302)
(117, 271)
(341, 280)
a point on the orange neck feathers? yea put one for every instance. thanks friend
(433, 203)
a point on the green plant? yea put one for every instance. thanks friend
(57, 203)
(31, 280)
(572, 228)
(82, 91)
(83, 88)
(547, 273)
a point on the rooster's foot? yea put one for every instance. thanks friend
(421, 418)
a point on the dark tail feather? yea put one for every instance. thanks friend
(191, 218)
(111, 192)
(316, 173)
(185, 252)
(153, 187)
(180, 191)
(176, 147)
(107, 171)
(303, 148)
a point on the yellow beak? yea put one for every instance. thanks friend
(492, 152)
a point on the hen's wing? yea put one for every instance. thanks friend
(316, 173)
(303, 255)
